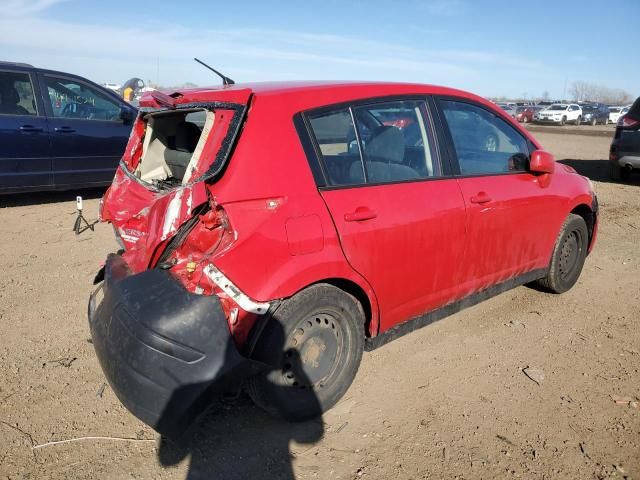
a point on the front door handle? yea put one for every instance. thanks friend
(360, 214)
(481, 197)
(64, 129)
(30, 128)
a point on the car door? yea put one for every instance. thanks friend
(400, 221)
(88, 135)
(508, 210)
(24, 135)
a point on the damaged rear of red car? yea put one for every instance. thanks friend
(271, 233)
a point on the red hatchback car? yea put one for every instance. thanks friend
(271, 233)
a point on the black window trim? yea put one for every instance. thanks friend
(314, 155)
(36, 92)
(448, 139)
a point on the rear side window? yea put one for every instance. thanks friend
(16, 94)
(372, 144)
(484, 143)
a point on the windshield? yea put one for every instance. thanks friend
(589, 108)
(558, 107)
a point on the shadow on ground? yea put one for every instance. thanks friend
(598, 170)
(40, 198)
(240, 442)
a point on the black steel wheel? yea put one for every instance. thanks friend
(314, 343)
(568, 256)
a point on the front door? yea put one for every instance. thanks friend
(400, 223)
(24, 135)
(508, 209)
(88, 136)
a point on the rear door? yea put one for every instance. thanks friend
(24, 135)
(399, 219)
(87, 134)
(509, 211)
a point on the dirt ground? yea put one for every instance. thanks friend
(448, 401)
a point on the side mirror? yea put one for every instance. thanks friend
(126, 115)
(542, 162)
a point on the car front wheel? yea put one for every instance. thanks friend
(578, 120)
(568, 256)
(563, 120)
(313, 344)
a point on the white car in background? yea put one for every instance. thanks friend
(616, 112)
(560, 113)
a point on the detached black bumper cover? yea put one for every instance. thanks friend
(167, 353)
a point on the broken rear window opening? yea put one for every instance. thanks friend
(178, 146)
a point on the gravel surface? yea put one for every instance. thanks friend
(526, 385)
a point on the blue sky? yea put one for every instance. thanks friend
(492, 48)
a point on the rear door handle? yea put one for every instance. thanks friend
(30, 128)
(481, 197)
(64, 129)
(360, 214)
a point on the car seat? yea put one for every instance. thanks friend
(384, 157)
(9, 99)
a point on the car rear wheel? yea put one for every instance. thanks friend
(314, 344)
(568, 256)
(594, 122)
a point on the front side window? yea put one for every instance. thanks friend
(16, 94)
(484, 143)
(73, 99)
(389, 142)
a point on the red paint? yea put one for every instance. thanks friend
(411, 246)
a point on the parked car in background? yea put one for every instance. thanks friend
(509, 108)
(595, 113)
(624, 155)
(305, 223)
(560, 113)
(615, 112)
(58, 130)
(525, 114)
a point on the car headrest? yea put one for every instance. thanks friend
(9, 96)
(187, 136)
(386, 145)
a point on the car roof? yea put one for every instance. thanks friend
(306, 95)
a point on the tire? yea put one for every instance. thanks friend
(594, 122)
(578, 121)
(524, 120)
(563, 121)
(568, 256)
(314, 342)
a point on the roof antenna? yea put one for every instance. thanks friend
(225, 80)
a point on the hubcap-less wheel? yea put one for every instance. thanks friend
(569, 254)
(313, 345)
(320, 346)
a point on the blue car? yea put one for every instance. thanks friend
(58, 131)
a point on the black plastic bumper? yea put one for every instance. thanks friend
(167, 353)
